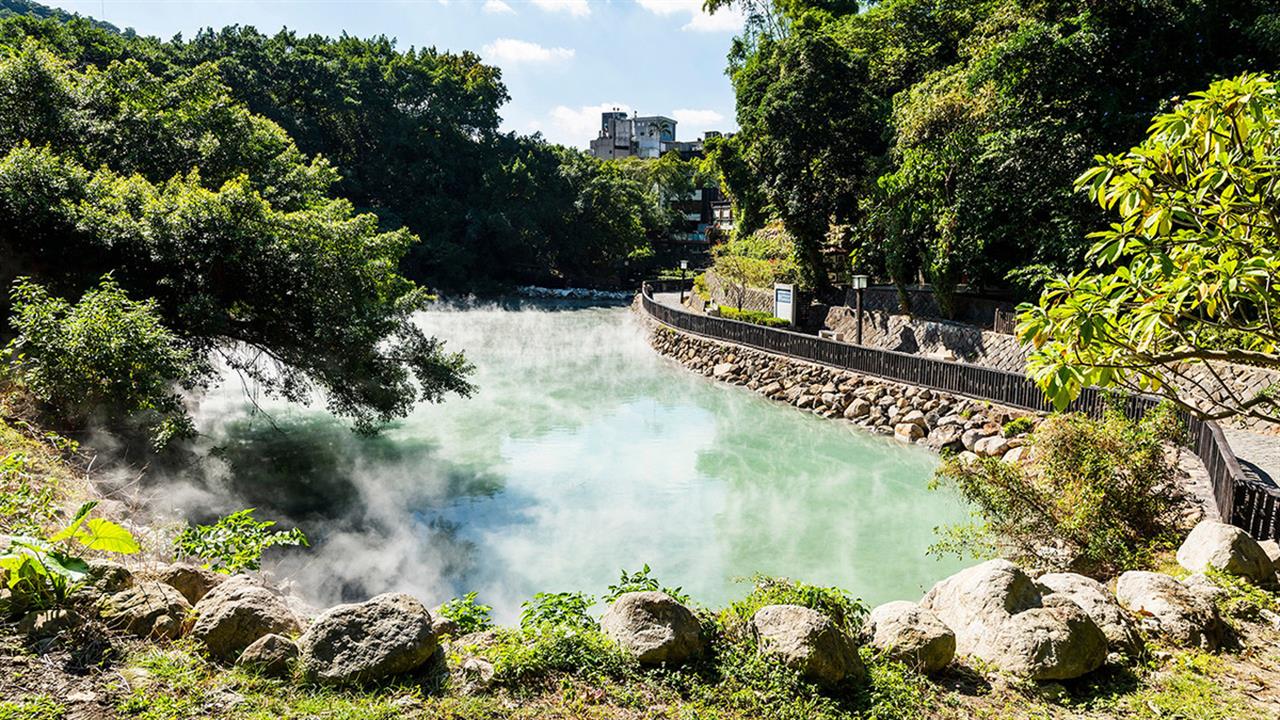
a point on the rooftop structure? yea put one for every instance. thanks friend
(649, 136)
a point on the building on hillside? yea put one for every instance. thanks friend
(648, 137)
(706, 215)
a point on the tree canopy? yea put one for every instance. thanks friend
(414, 134)
(1186, 277)
(194, 202)
(921, 135)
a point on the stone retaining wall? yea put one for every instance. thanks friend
(723, 293)
(935, 338)
(908, 414)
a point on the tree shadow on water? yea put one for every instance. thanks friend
(315, 467)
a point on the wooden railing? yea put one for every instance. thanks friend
(1241, 500)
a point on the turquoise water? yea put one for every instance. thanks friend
(583, 453)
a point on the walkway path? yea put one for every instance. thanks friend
(1259, 454)
(669, 299)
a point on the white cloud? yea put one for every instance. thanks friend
(578, 126)
(515, 52)
(725, 20)
(497, 7)
(697, 118)
(693, 123)
(729, 20)
(670, 7)
(576, 8)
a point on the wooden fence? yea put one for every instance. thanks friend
(1241, 500)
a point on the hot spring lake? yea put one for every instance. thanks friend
(582, 453)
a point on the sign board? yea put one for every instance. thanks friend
(784, 302)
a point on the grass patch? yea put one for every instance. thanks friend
(1187, 689)
(523, 658)
(34, 477)
(40, 707)
(1241, 599)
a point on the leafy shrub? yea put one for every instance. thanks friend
(557, 610)
(25, 504)
(107, 354)
(773, 252)
(521, 656)
(700, 287)
(234, 543)
(1018, 426)
(43, 572)
(470, 615)
(755, 317)
(893, 690)
(1098, 495)
(752, 684)
(844, 610)
(641, 581)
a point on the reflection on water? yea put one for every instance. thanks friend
(582, 453)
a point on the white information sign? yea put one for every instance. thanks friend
(784, 302)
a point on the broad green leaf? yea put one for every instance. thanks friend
(72, 528)
(104, 535)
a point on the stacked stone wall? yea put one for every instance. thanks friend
(906, 413)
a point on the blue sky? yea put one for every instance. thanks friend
(563, 61)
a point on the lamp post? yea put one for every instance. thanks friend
(859, 283)
(684, 265)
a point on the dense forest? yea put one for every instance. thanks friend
(411, 136)
(276, 206)
(940, 139)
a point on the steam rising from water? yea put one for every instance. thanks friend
(583, 453)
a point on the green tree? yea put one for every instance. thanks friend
(225, 224)
(803, 103)
(1185, 279)
(962, 125)
(104, 358)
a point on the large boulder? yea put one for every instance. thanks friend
(1272, 549)
(193, 581)
(653, 627)
(147, 609)
(946, 437)
(807, 641)
(231, 616)
(907, 432)
(1094, 598)
(1227, 548)
(269, 655)
(1172, 609)
(106, 577)
(911, 634)
(387, 635)
(1000, 616)
(993, 446)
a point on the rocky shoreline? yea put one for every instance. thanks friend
(906, 413)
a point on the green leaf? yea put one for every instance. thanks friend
(76, 522)
(104, 535)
